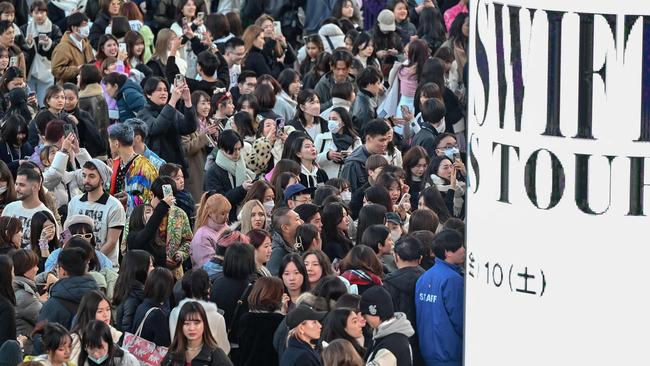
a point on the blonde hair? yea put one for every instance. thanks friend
(246, 212)
(209, 204)
(162, 44)
(250, 34)
(263, 18)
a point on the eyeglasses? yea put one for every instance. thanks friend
(86, 236)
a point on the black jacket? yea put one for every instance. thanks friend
(354, 168)
(207, 357)
(125, 312)
(299, 353)
(8, 320)
(223, 74)
(297, 124)
(225, 292)
(255, 337)
(166, 125)
(310, 182)
(99, 28)
(144, 238)
(425, 138)
(217, 179)
(89, 136)
(261, 64)
(356, 203)
(401, 286)
(156, 326)
(12, 156)
(363, 110)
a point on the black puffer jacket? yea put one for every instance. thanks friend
(125, 312)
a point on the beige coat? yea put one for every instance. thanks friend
(194, 148)
(67, 57)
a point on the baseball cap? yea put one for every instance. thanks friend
(394, 218)
(301, 313)
(386, 21)
(295, 189)
(78, 219)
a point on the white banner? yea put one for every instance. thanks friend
(557, 216)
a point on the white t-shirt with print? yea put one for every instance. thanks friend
(16, 209)
(107, 213)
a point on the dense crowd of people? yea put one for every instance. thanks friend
(228, 182)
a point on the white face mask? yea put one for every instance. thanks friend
(395, 235)
(3, 190)
(346, 196)
(84, 31)
(333, 126)
(268, 206)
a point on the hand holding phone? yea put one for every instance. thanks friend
(179, 80)
(122, 46)
(406, 198)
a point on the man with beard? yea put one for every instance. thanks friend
(105, 210)
(28, 184)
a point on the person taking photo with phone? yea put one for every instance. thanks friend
(167, 123)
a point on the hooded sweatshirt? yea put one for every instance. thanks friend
(65, 296)
(390, 343)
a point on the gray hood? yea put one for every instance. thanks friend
(398, 324)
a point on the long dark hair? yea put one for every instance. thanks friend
(191, 310)
(412, 158)
(456, 31)
(431, 27)
(134, 269)
(348, 128)
(94, 334)
(334, 328)
(370, 214)
(87, 309)
(434, 201)
(10, 193)
(36, 227)
(296, 146)
(6, 273)
(364, 258)
(13, 125)
(305, 96)
(296, 259)
(418, 54)
(379, 194)
(332, 215)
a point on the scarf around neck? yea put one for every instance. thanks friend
(235, 168)
(342, 141)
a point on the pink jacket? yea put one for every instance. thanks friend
(204, 243)
(452, 12)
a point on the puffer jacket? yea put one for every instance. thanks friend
(65, 296)
(332, 36)
(130, 100)
(125, 311)
(27, 305)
